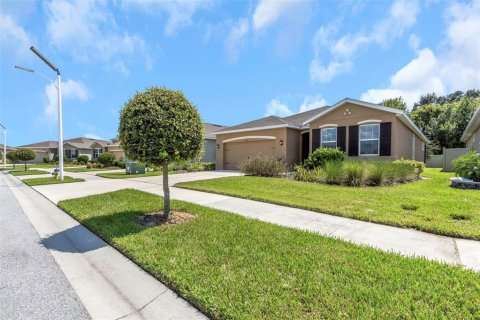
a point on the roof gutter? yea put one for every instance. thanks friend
(256, 129)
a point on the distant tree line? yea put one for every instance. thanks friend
(442, 119)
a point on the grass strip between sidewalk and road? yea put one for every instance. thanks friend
(428, 205)
(232, 267)
(124, 175)
(28, 172)
(42, 181)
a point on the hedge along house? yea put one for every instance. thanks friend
(363, 130)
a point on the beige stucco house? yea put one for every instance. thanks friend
(72, 148)
(471, 135)
(363, 130)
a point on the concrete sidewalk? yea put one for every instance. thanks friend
(32, 284)
(407, 242)
(108, 284)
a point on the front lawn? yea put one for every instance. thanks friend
(123, 175)
(428, 205)
(41, 181)
(232, 267)
(85, 169)
(27, 172)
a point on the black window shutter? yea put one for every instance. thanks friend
(315, 139)
(353, 141)
(385, 138)
(342, 138)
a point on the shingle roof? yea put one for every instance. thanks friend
(210, 128)
(293, 120)
(80, 142)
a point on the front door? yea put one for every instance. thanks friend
(305, 145)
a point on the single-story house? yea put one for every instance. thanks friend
(471, 135)
(72, 148)
(209, 146)
(363, 130)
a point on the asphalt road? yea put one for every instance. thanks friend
(32, 286)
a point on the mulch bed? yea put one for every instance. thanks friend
(156, 218)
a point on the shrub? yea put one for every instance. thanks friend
(307, 175)
(209, 166)
(468, 165)
(45, 160)
(120, 163)
(401, 171)
(195, 166)
(264, 166)
(83, 159)
(89, 165)
(355, 172)
(417, 166)
(320, 156)
(334, 173)
(106, 159)
(377, 173)
(97, 165)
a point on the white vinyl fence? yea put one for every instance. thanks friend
(444, 160)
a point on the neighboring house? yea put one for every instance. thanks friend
(363, 130)
(209, 147)
(8, 148)
(471, 135)
(72, 149)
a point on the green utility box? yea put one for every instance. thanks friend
(133, 167)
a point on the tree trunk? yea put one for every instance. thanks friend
(14, 164)
(166, 192)
(25, 165)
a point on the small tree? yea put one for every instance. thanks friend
(83, 159)
(158, 127)
(24, 154)
(106, 159)
(397, 103)
(12, 157)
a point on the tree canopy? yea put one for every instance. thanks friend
(397, 103)
(12, 157)
(444, 124)
(432, 98)
(160, 126)
(24, 154)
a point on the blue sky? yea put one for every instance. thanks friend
(235, 60)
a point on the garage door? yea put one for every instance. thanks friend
(235, 152)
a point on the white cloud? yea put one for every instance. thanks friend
(402, 15)
(453, 67)
(414, 41)
(179, 13)
(71, 89)
(236, 39)
(312, 102)
(277, 108)
(13, 38)
(88, 31)
(320, 73)
(267, 12)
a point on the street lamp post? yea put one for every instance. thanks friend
(58, 86)
(4, 145)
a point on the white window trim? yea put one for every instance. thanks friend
(250, 137)
(321, 138)
(369, 121)
(329, 125)
(360, 140)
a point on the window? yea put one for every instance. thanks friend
(329, 138)
(369, 139)
(96, 152)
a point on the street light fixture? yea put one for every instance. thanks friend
(4, 145)
(58, 86)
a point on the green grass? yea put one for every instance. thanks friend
(22, 172)
(42, 181)
(84, 169)
(123, 175)
(232, 267)
(436, 204)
